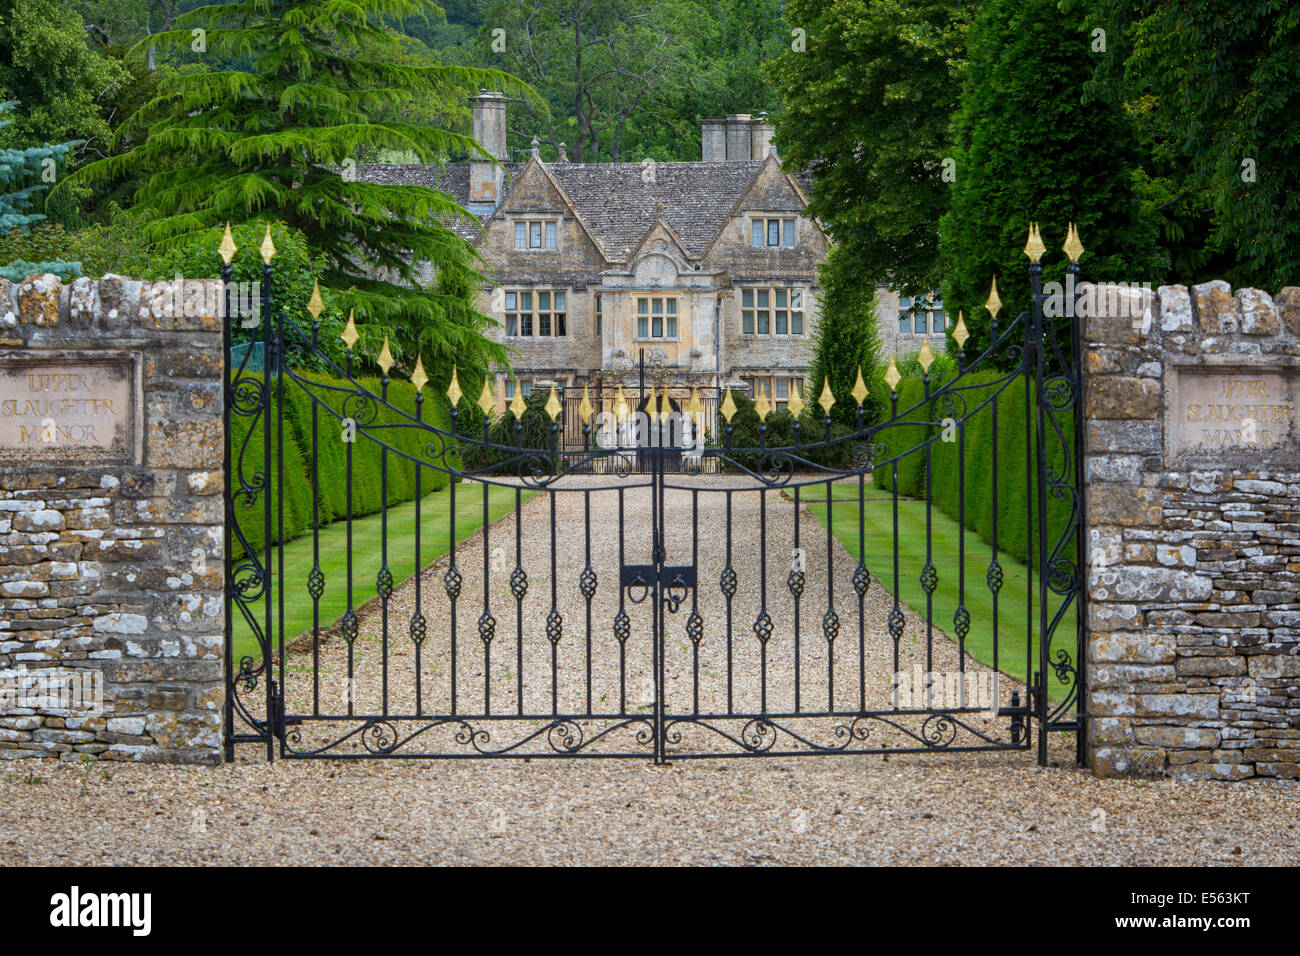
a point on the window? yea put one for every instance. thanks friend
(772, 232)
(536, 234)
(777, 388)
(771, 311)
(540, 312)
(600, 324)
(656, 318)
(922, 314)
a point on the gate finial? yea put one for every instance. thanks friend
(959, 333)
(486, 400)
(994, 304)
(454, 394)
(553, 406)
(268, 247)
(349, 335)
(728, 406)
(315, 305)
(1073, 247)
(227, 247)
(1034, 248)
(827, 398)
(795, 405)
(518, 406)
(418, 378)
(385, 360)
(892, 378)
(585, 409)
(926, 358)
(859, 392)
(762, 406)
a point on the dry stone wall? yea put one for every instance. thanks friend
(1192, 461)
(111, 519)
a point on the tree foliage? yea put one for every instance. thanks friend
(277, 140)
(845, 340)
(1031, 152)
(24, 175)
(867, 109)
(1220, 85)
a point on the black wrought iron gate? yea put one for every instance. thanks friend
(463, 592)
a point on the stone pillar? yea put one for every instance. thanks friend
(761, 140)
(1192, 460)
(112, 518)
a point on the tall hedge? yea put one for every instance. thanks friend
(1014, 523)
(331, 456)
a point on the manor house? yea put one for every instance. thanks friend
(707, 268)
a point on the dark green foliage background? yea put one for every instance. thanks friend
(1014, 523)
(331, 461)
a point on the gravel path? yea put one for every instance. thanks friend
(959, 808)
(956, 809)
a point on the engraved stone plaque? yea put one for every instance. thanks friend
(66, 407)
(1234, 414)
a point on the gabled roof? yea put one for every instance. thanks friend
(618, 203)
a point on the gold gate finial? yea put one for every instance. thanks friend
(994, 304)
(418, 378)
(268, 247)
(859, 392)
(486, 400)
(795, 405)
(385, 360)
(960, 333)
(827, 398)
(227, 247)
(1073, 247)
(349, 335)
(1034, 248)
(892, 378)
(454, 394)
(315, 305)
(728, 406)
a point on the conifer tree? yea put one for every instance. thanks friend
(845, 340)
(281, 133)
(24, 174)
(1029, 149)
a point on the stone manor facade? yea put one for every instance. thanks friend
(709, 268)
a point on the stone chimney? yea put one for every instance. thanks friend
(736, 138)
(714, 136)
(490, 131)
(761, 139)
(739, 138)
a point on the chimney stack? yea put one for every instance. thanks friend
(490, 132)
(736, 138)
(714, 136)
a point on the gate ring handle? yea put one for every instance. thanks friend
(645, 590)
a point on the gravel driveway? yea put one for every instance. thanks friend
(959, 808)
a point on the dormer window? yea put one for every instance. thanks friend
(536, 233)
(773, 232)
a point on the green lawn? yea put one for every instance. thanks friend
(435, 531)
(878, 538)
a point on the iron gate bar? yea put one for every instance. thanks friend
(680, 722)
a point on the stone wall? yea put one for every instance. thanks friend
(111, 554)
(1192, 458)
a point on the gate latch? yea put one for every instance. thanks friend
(675, 581)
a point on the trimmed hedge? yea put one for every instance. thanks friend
(331, 456)
(1014, 522)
